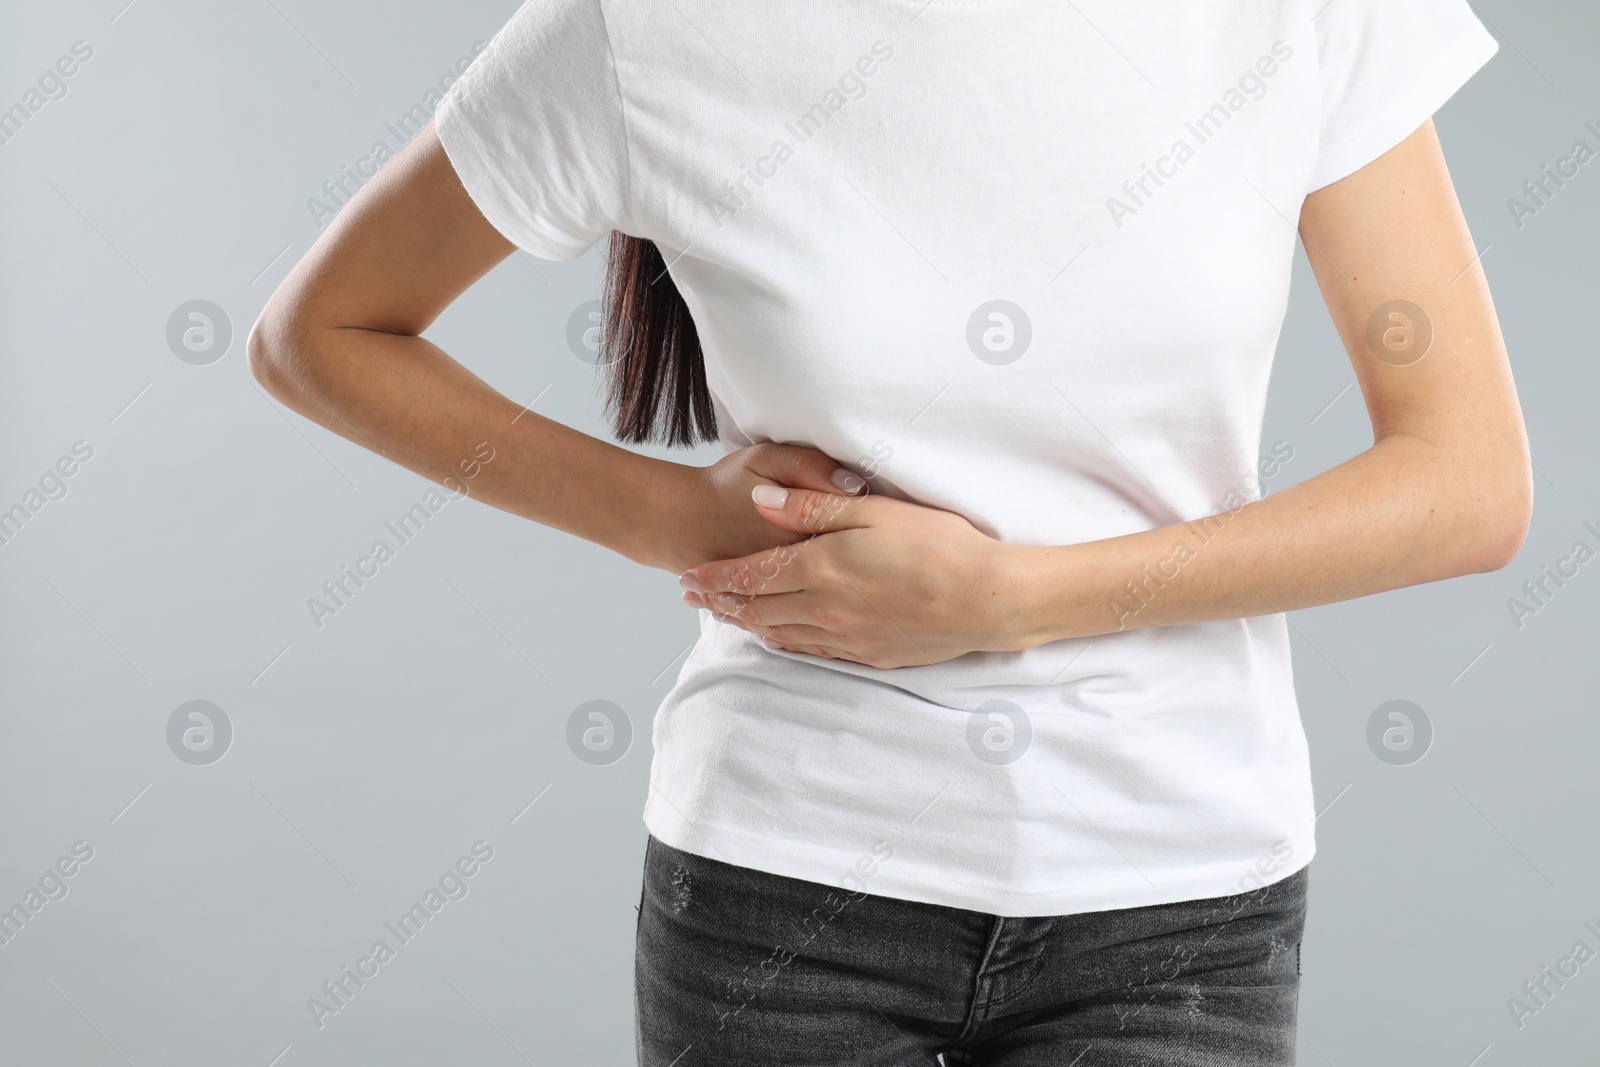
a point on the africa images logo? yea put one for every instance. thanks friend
(1252, 85)
(736, 195)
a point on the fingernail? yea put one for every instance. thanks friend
(769, 496)
(846, 481)
(690, 582)
(693, 600)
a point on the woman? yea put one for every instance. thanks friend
(998, 762)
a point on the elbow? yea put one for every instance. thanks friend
(269, 352)
(260, 354)
(1502, 514)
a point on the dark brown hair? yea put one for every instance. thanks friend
(657, 389)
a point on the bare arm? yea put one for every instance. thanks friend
(340, 342)
(1445, 488)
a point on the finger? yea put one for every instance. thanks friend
(790, 635)
(743, 612)
(801, 634)
(768, 611)
(808, 512)
(806, 468)
(773, 570)
(821, 651)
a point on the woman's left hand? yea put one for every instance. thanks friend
(882, 582)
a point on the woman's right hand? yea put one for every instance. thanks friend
(710, 515)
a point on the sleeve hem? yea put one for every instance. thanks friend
(477, 176)
(1408, 112)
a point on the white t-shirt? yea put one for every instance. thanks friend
(1023, 260)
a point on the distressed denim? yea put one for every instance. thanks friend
(736, 966)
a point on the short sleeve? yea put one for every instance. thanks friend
(535, 130)
(1386, 66)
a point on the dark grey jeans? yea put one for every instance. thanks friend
(735, 966)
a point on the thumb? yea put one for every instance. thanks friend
(804, 468)
(808, 512)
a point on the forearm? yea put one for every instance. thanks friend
(1401, 513)
(404, 398)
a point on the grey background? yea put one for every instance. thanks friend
(432, 712)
